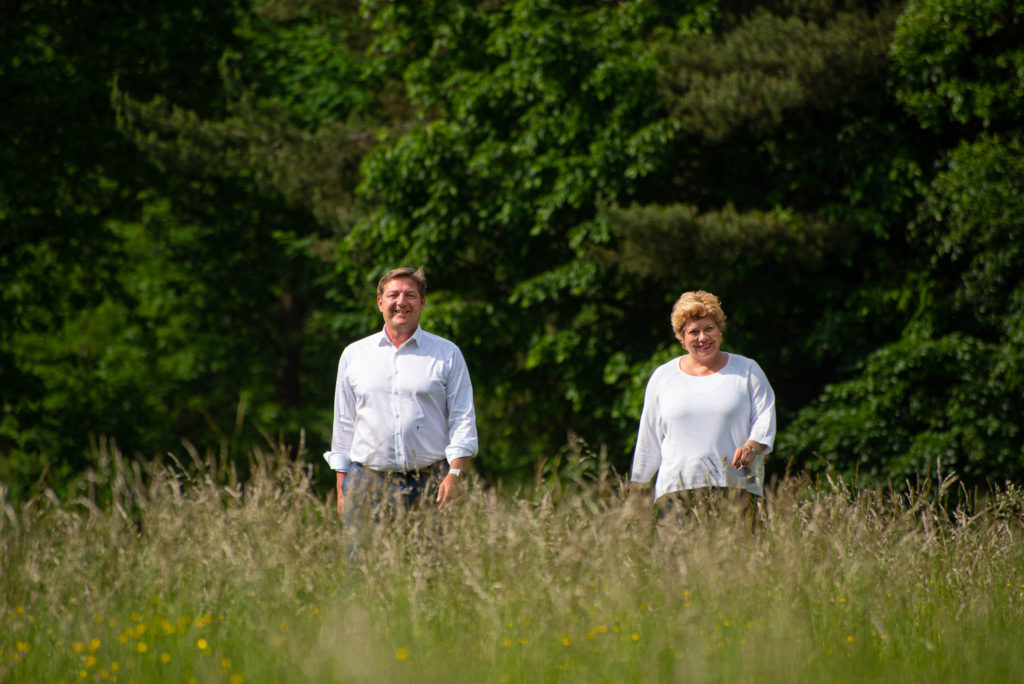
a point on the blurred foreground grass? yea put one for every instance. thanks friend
(182, 574)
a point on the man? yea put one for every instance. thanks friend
(403, 408)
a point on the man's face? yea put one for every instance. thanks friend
(401, 305)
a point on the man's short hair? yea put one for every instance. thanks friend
(416, 274)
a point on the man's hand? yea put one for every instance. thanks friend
(449, 488)
(341, 496)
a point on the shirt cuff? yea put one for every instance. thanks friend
(338, 461)
(452, 454)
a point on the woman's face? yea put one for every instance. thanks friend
(701, 337)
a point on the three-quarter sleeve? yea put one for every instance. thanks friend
(647, 455)
(762, 407)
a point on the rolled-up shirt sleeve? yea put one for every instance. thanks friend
(338, 457)
(462, 436)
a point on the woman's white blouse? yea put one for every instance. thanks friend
(691, 425)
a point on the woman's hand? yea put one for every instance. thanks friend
(745, 454)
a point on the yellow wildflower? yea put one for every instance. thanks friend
(402, 653)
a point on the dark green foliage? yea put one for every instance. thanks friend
(972, 221)
(67, 176)
(534, 112)
(949, 392)
(961, 62)
(202, 237)
(920, 406)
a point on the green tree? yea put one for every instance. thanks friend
(844, 174)
(67, 176)
(529, 114)
(586, 163)
(948, 395)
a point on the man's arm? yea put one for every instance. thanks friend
(342, 429)
(341, 494)
(462, 436)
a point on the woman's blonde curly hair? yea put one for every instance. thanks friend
(695, 305)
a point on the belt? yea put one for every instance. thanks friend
(405, 475)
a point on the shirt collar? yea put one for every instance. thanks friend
(385, 340)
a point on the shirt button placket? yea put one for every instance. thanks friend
(396, 413)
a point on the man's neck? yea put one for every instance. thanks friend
(398, 337)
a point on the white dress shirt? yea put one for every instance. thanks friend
(402, 408)
(691, 425)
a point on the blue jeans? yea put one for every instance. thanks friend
(373, 495)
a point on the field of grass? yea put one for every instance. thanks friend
(182, 574)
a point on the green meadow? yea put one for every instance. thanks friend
(184, 574)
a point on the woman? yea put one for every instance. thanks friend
(708, 416)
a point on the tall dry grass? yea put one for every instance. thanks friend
(182, 573)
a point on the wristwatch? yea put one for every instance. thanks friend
(457, 472)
